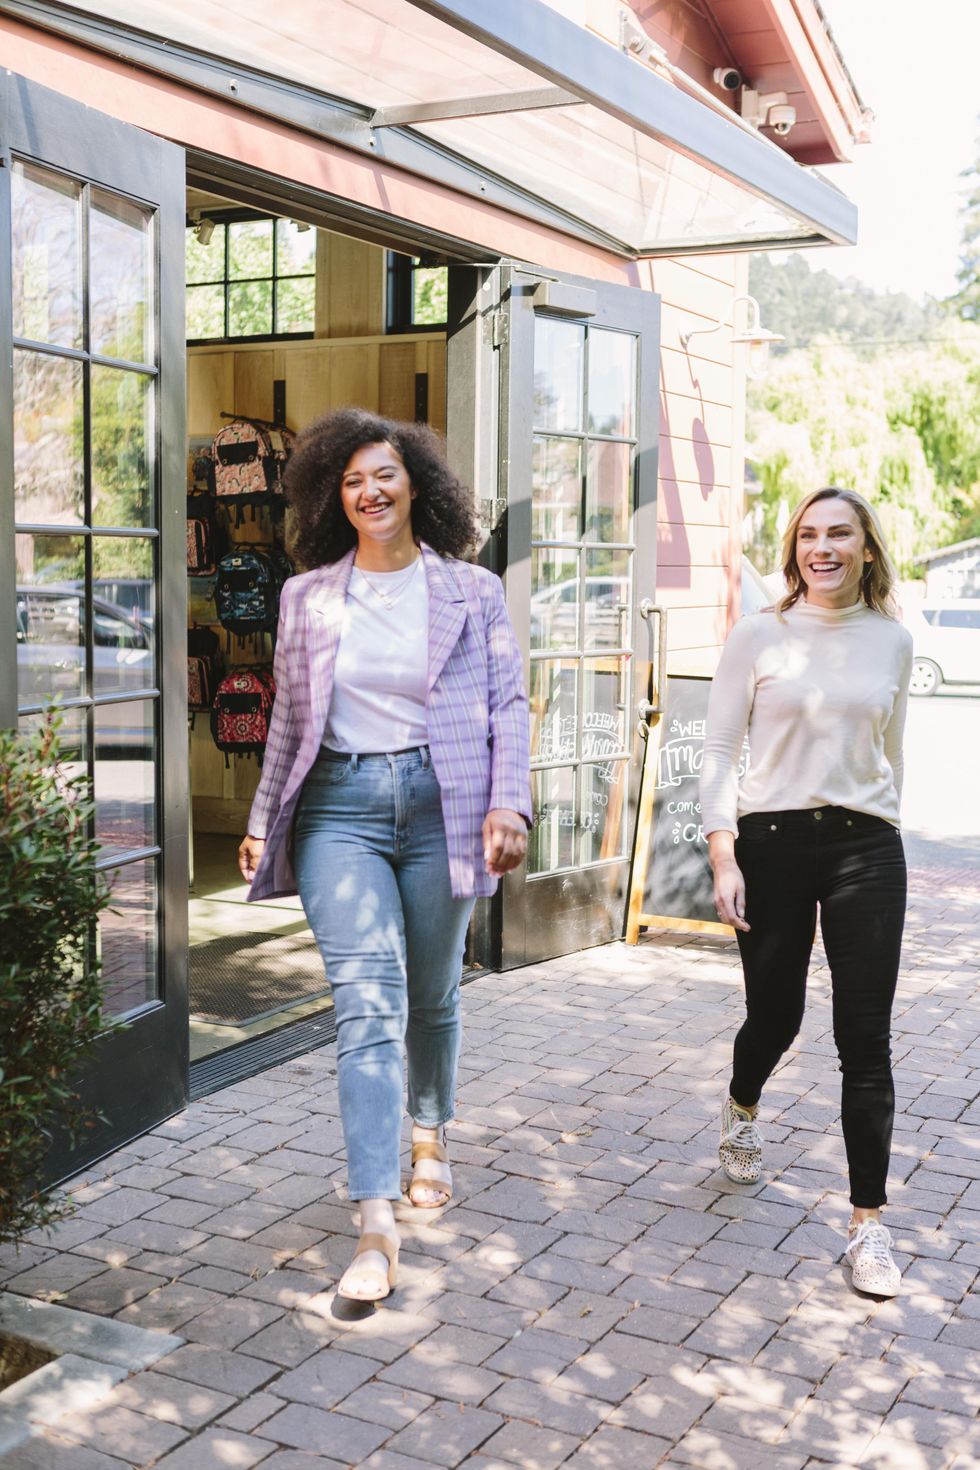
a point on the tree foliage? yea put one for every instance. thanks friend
(871, 390)
(902, 427)
(806, 305)
(965, 303)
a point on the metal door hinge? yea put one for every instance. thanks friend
(492, 512)
(495, 327)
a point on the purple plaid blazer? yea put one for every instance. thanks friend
(477, 713)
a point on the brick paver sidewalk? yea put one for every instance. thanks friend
(598, 1295)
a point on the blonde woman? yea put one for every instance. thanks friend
(820, 685)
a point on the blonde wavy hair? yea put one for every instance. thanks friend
(880, 576)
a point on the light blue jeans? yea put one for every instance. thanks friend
(373, 874)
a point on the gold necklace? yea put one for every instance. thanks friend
(389, 597)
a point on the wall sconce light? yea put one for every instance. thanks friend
(753, 335)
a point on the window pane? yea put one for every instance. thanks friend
(47, 256)
(608, 491)
(124, 776)
(552, 691)
(558, 354)
(121, 436)
(250, 249)
(554, 598)
(295, 304)
(295, 248)
(205, 262)
(556, 502)
(50, 619)
(607, 599)
(127, 938)
(603, 707)
(602, 812)
(430, 295)
(250, 309)
(120, 278)
(552, 837)
(72, 738)
(49, 476)
(205, 312)
(122, 573)
(122, 615)
(612, 382)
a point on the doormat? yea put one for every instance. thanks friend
(246, 977)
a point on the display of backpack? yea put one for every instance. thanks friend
(249, 462)
(204, 668)
(247, 590)
(202, 536)
(241, 712)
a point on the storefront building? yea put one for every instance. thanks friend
(504, 219)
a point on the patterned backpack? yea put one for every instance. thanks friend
(202, 536)
(241, 712)
(204, 668)
(246, 594)
(245, 466)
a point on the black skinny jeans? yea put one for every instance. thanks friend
(853, 866)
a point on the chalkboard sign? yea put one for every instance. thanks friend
(678, 875)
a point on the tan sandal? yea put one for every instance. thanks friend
(373, 1241)
(435, 1153)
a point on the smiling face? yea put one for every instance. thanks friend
(831, 553)
(377, 496)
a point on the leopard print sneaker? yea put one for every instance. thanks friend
(740, 1147)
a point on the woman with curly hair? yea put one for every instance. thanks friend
(395, 788)
(820, 686)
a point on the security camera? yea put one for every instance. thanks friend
(781, 118)
(768, 110)
(728, 77)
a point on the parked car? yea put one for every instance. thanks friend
(554, 613)
(51, 658)
(945, 643)
(134, 595)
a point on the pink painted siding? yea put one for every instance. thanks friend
(699, 513)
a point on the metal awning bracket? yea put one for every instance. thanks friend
(485, 106)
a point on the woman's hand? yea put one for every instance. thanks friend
(504, 840)
(249, 856)
(729, 885)
(730, 894)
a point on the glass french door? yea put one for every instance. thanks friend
(579, 427)
(91, 578)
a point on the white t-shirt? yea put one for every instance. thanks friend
(381, 673)
(822, 694)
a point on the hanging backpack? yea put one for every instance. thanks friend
(245, 471)
(246, 594)
(241, 712)
(204, 668)
(202, 536)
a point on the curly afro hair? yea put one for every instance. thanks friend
(442, 511)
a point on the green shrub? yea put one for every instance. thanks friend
(50, 985)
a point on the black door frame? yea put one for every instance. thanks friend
(137, 1076)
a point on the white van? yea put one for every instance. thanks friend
(945, 643)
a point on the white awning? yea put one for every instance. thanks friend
(505, 99)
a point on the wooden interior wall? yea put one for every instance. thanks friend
(373, 372)
(350, 287)
(702, 392)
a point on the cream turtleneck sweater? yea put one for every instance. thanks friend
(822, 693)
